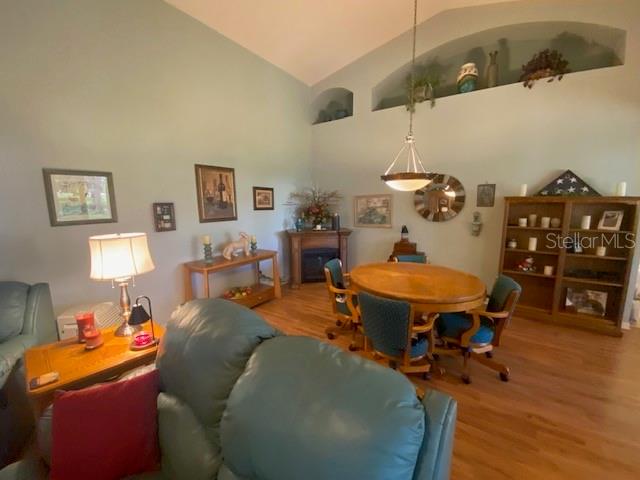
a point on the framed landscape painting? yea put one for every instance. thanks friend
(262, 198)
(372, 211)
(216, 191)
(79, 197)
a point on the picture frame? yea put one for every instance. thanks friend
(587, 302)
(263, 198)
(216, 193)
(164, 216)
(486, 195)
(611, 220)
(373, 211)
(79, 197)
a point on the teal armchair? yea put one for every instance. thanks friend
(26, 319)
(474, 334)
(344, 303)
(390, 331)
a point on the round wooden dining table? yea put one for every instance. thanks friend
(428, 288)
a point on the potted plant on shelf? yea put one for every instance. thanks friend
(425, 81)
(545, 64)
(313, 205)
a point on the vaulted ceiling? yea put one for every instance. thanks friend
(311, 39)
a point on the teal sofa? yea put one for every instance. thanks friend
(26, 319)
(241, 401)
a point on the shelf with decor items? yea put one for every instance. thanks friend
(588, 287)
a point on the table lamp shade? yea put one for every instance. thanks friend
(119, 256)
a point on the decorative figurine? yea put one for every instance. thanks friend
(527, 265)
(476, 224)
(512, 243)
(299, 224)
(241, 244)
(404, 234)
(254, 244)
(467, 78)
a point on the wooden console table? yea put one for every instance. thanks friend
(260, 292)
(311, 239)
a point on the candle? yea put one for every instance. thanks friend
(548, 270)
(533, 244)
(601, 251)
(253, 239)
(621, 189)
(523, 190)
(522, 222)
(533, 218)
(545, 222)
(206, 240)
(586, 222)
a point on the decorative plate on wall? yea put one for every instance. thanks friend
(441, 200)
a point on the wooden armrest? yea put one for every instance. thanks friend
(340, 291)
(492, 315)
(422, 328)
(346, 276)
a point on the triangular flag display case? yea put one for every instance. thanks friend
(568, 185)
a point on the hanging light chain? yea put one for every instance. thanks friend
(413, 65)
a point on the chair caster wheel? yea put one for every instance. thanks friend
(489, 354)
(426, 376)
(504, 377)
(331, 336)
(466, 379)
(352, 348)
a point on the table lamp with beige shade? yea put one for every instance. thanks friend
(120, 257)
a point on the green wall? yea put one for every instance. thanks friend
(144, 91)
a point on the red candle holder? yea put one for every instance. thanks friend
(85, 321)
(142, 340)
(93, 338)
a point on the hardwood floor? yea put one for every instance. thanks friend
(570, 411)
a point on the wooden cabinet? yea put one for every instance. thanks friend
(586, 274)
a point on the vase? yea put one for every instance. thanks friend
(492, 70)
(467, 80)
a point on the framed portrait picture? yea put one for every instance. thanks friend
(588, 302)
(611, 220)
(262, 198)
(372, 211)
(79, 197)
(164, 217)
(216, 190)
(486, 195)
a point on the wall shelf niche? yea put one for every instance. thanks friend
(586, 46)
(332, 104)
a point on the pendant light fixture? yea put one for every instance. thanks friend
(415, 176)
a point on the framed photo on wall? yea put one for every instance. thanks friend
(262, 198)
(216, 191)
(372, 211)
(486, 195)
(164, 217)
(79, 197)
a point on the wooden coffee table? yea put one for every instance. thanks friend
(79, 368)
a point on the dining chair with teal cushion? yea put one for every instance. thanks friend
(389, 330)
(411, 258)
(344, 302)
(476, 333)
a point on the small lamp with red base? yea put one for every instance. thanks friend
(139, 315)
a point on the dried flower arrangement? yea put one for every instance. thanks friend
(545, 64)
(314, 205)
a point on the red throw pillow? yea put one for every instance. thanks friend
(106, 432)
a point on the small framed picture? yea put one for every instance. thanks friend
(486, 195)
(262, 198)
(588, 302)
(372, 211)
(164, 217)
(611, 220)
(79, 197)
(216, 190)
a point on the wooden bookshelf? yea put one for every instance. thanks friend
(544, 296)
